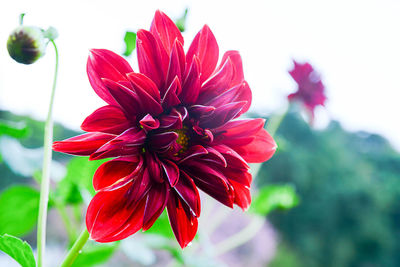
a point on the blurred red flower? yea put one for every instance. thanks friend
(311, 91)
(171, 130)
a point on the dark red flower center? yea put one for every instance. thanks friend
(183, 138)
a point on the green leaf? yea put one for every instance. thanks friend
(93, 255)
(161, 227)
(18, 250)
(79, 176)
(16, 130)
(130, 42)
(273, 197)
(19, 207)
(181, 22)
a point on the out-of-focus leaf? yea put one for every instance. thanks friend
(79, 176)
(130, 42)
(16, 130)
(17, 249)
(93, 255)
(138, 251)
(181, 22)
(19, 207)
(26, 161)
(161, 227)
(273, 197)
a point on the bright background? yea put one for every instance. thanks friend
(353, 44)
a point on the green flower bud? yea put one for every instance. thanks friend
(26, 44)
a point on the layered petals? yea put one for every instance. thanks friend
(248, 138)
(169, 130)
(103, 63)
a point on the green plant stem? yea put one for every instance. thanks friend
(76, 249)
(257, 222)
(275, 122)
(64, 216)
(45, 183)
(241, 237)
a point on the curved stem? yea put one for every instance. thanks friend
(241, 237)
(45, 183)
(275, 122)
(67, 223)
(76, 248)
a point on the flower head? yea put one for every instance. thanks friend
(171, 129)
(311, 91)
(26, 44)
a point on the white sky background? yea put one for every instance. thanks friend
(355, 45)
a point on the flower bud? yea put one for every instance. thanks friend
(26, 44)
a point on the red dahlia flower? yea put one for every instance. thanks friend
(311, 91)
(171, 130)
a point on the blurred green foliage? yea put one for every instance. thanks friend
(349, 186)
(18, 203)
(272, 197)
(30, 135)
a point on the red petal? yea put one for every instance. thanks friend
(82, 145)
(124, 97)
(191, 86)
(259, 150)
(210, 180)
(147, 101)
(162, 141)
(155, 204)
(165, 30)
(146, 84)
(232, 157)
(240, 92)
(170, 98)
(171, 171)
(153, 165)
(111, 215)
(205, 47)
(177, 63)
(149, 123)
(218, 83)
(193, 151)
(222, 115)
(242, 195)
(103, 63)
(152, 62)
(187, 191)
(171, 121)
(114, 170)
(199, 111)
(248, 138)
(128, 143)
(183, 222)
(236, 60)
(107, 119)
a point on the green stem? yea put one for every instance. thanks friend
(64, 216)
(257, 222)
(45, 183)
(76, 249)
(275, 122)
